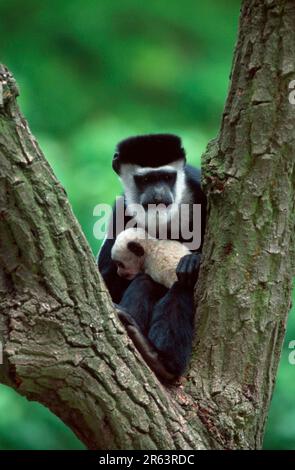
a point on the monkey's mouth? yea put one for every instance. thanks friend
(157, 205)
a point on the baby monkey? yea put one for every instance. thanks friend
(136, 251)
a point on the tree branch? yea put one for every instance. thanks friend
(63, 344)
(244, 290)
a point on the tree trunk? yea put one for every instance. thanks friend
(244, 292)
(63, 344)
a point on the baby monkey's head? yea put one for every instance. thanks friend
(128, 252)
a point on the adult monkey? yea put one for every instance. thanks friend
(153, 171)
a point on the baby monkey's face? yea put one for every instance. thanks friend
(129, 265)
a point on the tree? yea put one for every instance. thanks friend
(63, 344)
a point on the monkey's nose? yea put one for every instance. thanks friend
(158, 199)
(164, 199)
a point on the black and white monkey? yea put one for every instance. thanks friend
(153, 170)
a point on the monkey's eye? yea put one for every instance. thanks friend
(120, 265)
(141, 180)
(170, 178)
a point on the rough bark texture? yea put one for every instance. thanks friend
(63, 344)
(249, 176)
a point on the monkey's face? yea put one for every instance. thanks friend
(156, 187)
(128, 253)
(129, 266)
(151, 187)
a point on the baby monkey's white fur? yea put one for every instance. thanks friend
(160, 258)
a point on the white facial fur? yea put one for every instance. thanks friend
(128, 171)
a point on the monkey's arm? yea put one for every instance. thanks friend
(108, 269)
(116, 285)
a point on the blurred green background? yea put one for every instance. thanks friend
(91, 73)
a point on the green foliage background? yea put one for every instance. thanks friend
(91, 73)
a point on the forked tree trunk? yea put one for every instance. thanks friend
(63, 345)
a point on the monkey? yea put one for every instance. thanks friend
(136, 251)
(153, 172)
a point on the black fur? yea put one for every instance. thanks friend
(164, 317)
(149, 150)
(140, 298)
(171, 328)
(135, 248)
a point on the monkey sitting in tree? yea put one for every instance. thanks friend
(160, 320)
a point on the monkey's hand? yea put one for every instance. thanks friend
(143, 345)
(188, 269)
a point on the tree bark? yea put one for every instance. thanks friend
(63, 344)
